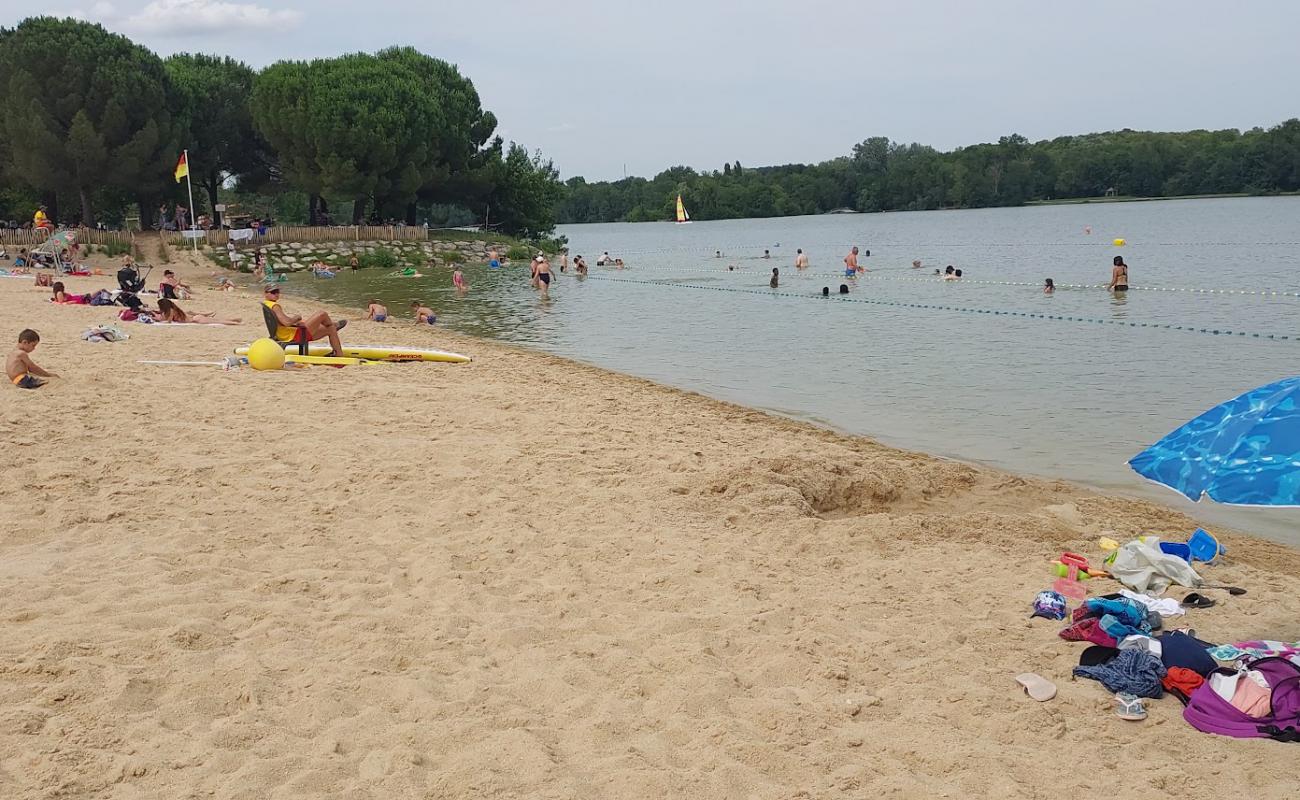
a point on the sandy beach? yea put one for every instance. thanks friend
(528, 578)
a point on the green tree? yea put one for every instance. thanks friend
(362, 126)
(90, 108)
(215, 119)
(525, 191)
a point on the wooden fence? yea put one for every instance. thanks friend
(29, 238)
(291, 233)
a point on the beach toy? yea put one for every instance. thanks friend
(1204, 547)
(1177, 549)
(1108, 544)
(1069, 585)
(265, 354)
(1120, 242)
(1063, 571)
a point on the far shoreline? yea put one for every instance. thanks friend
(1071, 201)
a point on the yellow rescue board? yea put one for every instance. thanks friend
(327, 361)
(369, 353)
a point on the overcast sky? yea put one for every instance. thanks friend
(598, 86)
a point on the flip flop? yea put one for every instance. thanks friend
(1235, 591)
(1036, 686)
(340, 325)
(1130, 708)
(1198, 601)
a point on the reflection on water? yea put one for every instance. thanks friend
(943, 367)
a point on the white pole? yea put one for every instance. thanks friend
(190, 186)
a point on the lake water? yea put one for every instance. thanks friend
(945, 368)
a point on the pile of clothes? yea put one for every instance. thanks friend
(1256, 696)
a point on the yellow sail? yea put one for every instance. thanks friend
(682, 216)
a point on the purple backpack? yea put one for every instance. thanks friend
(1208, 712)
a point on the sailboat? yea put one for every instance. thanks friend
(682, 217)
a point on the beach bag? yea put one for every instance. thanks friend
(1207, 711)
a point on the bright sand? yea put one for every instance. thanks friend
(524, 577)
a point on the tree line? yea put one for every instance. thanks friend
(880, 175)
(92, 125)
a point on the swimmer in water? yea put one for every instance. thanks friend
(800, 259)
(1048, 286)
(1118, 275)
(851, 267)
(776, 278)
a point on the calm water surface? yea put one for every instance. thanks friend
(1068, 399)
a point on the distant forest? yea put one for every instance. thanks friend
(881, 175)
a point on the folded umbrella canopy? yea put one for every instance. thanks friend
(1245, 452)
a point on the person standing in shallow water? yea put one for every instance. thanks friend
(851, 267)
(800, 259)
(776, 278)
(1118, 275)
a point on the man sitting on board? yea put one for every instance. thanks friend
(292, 328)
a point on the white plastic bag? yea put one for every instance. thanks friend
(1143, 567)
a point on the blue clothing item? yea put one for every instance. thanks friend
(1134, 671)
(494, 264)
(431, 319)
(1117, 629)
(1126, 611)
(1177, 649)
(381, 318)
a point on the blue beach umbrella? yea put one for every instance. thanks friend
(1245, 452)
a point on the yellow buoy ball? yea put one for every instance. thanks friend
(1120, 242)
(265, 354)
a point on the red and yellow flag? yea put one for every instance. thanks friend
(182, 168)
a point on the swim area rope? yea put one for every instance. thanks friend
(962, 309)
(872, 276)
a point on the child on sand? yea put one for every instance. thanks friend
(22, 371)
(458, 280)
(423, 314)
(376, 312)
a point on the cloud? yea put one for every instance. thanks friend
(194, 18)
(563, 127)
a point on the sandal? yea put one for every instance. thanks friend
(1131, 707)
(1196, 600)
(1036, 686)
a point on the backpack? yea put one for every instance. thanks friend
(1207, 711)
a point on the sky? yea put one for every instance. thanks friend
(633, 87)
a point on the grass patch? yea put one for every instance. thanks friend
(379, 258)
(115, 249)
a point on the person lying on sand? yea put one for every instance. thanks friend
(63, 298)
(318, 325)
(376, 312)
(168, 311)
(423, 314)
(19, 367)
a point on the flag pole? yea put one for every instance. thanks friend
(189, 185)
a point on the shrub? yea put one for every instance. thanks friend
(381, 258)
(518, 253)
(115, 249)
